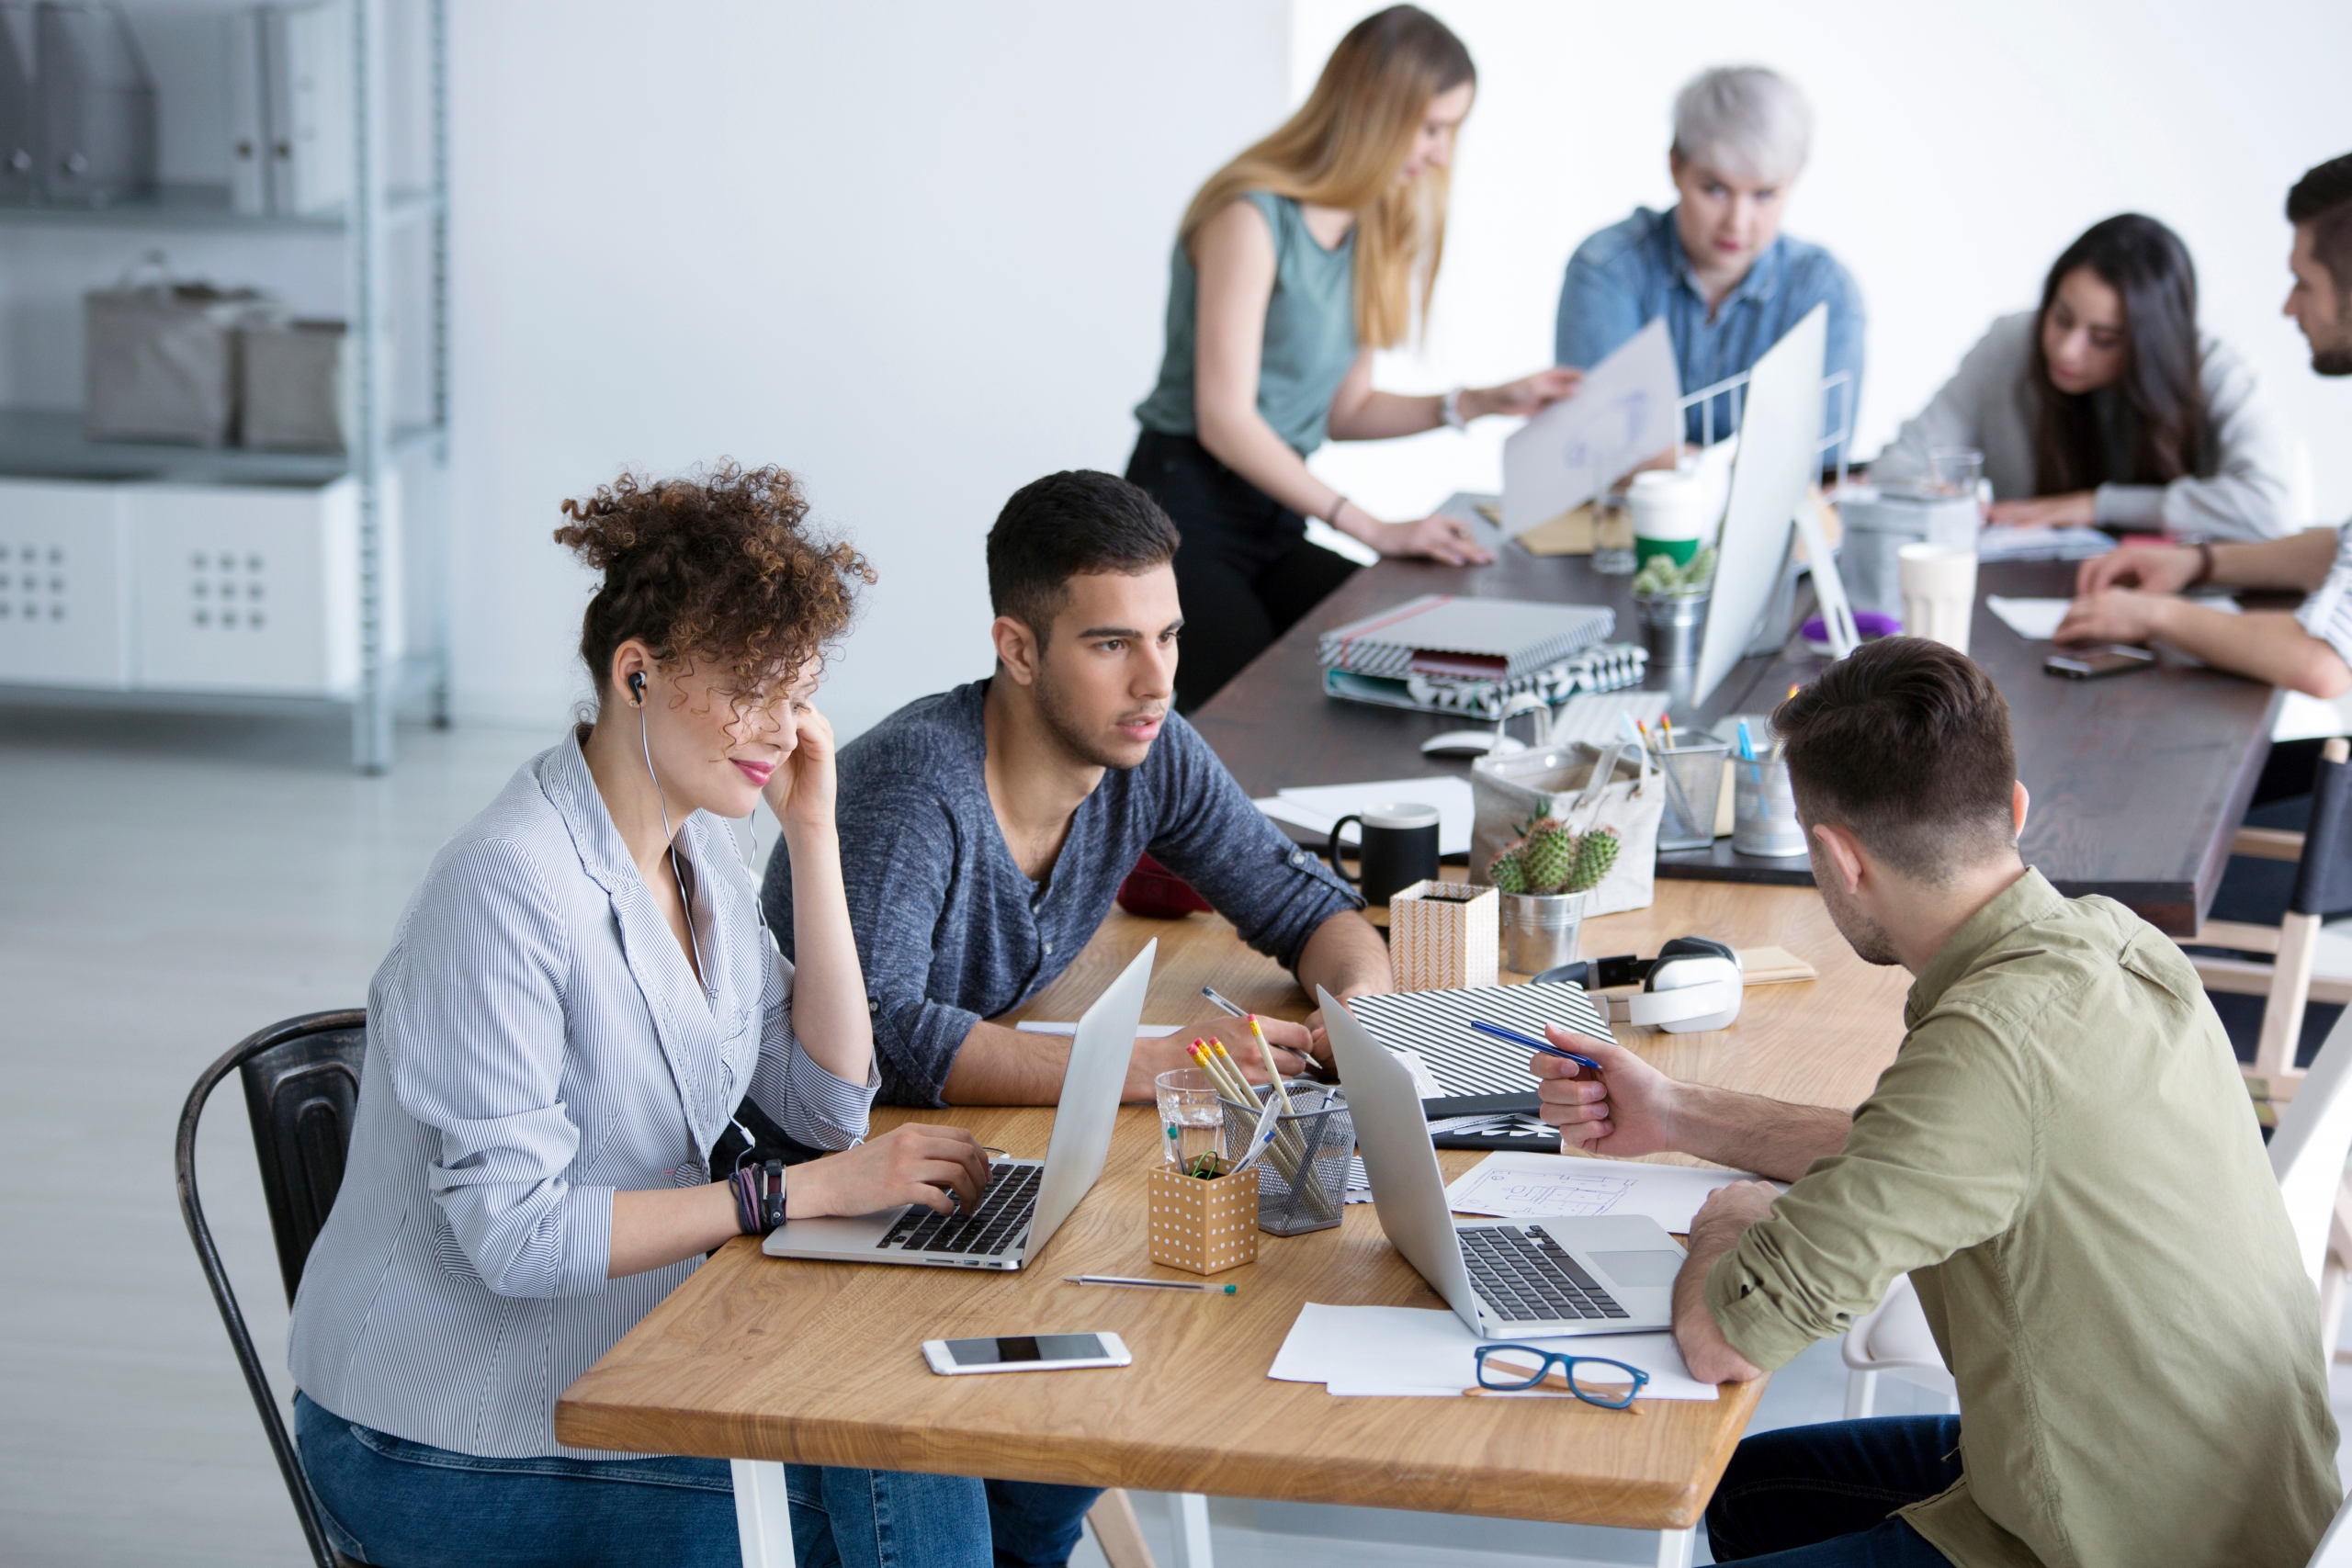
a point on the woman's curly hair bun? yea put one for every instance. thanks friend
(717, 569)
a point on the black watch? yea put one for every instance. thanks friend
(772, 1194)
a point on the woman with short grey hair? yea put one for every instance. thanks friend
(1716, 264)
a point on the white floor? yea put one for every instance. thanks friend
(166, 887)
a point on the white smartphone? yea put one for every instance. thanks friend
(1025, 1353)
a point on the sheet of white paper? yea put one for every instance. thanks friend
(1413, 1352)
(1317, 807)
(1622, 415)
(2036, 620)
(1049, 1026)
(1999, 543)
(1514, 1186)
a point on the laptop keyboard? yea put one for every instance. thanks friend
(996, 1227)
(1527, 1278)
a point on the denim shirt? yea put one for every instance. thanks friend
(1631, 273)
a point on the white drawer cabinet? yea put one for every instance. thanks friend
(252, 589)
(65, 584)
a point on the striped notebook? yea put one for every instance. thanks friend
(1435, 1025)
(1445, 638)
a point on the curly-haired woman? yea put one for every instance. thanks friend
(576, 1000)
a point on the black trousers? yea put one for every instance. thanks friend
(1245, 573)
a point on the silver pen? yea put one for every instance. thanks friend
(1219, 1002)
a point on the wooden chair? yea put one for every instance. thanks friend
(2322, 857)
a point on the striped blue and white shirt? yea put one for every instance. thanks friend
(2327, 615)
(536, 1040)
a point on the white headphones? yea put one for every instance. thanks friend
(1693, 984)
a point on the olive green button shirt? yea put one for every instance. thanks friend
(2063, 1157)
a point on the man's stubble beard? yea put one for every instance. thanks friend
(1869, 939)
(1065, 729)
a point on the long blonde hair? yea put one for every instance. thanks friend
(1343, 148)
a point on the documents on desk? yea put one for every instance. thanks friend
(2036, 620)
(2002, 542)
(1510, 1185)
(1413, 1353)
(1317, 807)
(1052, 1026)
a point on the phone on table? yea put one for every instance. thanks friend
(2090, 663)
(1025, 1353)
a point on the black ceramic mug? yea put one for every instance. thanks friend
(1399, 848)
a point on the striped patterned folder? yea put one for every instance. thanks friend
(1435, 1025)
(1445, 638)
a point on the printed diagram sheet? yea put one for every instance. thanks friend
(1524, 1194)
(1510, 1185)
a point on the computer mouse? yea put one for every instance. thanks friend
(1471, 743)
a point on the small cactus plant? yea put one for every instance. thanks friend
(1550, 859)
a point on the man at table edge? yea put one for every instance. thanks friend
(985, 830)
(2133, 595)
(2062, 1158)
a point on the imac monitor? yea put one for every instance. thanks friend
(1779, 453)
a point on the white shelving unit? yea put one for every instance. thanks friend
(152, 575)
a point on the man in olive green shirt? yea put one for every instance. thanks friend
(2063, 1158)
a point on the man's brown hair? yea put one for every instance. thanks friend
(2323, 198)
(1906, 745)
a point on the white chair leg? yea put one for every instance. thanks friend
(1189, 1512)
(1677, 1549)
(762, 1513)
(1862, 1393)
(2331, 1307)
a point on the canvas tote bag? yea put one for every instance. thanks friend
(1586, 786)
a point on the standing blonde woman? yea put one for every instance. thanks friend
(1293, 263)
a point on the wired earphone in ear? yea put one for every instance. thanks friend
(636, 700)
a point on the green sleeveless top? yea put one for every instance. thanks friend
(1310, 333)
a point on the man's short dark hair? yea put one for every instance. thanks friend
(1074, 524)
(1906, 744)
(2323, 198)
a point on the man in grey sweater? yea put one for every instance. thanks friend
(985, 830)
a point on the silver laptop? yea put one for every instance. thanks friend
(1505, 1278)
(1026, 1201)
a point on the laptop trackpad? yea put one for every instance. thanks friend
(1648, 1267)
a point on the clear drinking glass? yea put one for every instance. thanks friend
(1613, 535)
(1192, 1123)
(1954, 470)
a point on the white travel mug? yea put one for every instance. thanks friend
(1939, 593)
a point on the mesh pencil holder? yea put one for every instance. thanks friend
(1302, 1175)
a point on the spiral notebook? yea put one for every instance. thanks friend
(1468, 1066)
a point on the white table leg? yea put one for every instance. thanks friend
(1189, 1513)
(763, 1514)
(1677, 1547)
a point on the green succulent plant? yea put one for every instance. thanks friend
(1550, 858)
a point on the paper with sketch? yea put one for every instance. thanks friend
(1317, 807)
(1624, 414)
(1510, 1185)
(1411, 1352)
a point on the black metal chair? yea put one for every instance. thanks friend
(301, 1080)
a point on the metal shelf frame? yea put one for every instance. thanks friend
(50, 445)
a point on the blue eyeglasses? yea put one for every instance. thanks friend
(1596, 1380)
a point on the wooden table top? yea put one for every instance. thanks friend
(756, 1357)
(2139, 783)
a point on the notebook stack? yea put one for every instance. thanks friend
(1472, 657)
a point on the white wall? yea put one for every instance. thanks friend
(918, 253)
(1958, 147)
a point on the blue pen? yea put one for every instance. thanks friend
(1746, 743)
(1516, 1038)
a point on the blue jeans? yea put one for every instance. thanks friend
(1823, 1496)
(404, 1505)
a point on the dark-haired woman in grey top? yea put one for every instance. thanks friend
(576, 1000)
(2107, 408)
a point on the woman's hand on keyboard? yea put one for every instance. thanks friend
(918, 1162)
